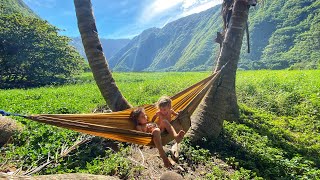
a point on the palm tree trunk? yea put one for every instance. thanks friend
(220, 103)
(96, 58)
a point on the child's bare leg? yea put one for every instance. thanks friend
(157, 141)
(178, 137)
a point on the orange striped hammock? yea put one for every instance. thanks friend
(118, 126)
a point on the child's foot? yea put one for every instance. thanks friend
(180, 136)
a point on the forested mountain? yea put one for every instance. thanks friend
(32, 53)
(110, 46)
(185, 44)
(284, 33)
(15, 6)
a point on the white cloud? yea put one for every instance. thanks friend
(189, 3)
(157, 8)
(160, 5)
(174, 9)
(199, 7)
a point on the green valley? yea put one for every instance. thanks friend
(277, 135)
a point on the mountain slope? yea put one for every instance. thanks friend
(284, 33)
(110, 46)
(15, 6)
(181, 45)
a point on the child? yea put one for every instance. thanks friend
(164, 113)
(139, 117)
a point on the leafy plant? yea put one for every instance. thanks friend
(33, 54)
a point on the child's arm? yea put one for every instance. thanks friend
(174, 113)
(154, 117)
(139, 128)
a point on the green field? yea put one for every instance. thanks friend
(278, 135)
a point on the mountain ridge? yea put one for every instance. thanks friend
(169, 46)
(187, 44)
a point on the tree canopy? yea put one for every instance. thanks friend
(32, 53)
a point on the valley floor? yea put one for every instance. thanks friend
(277, 137)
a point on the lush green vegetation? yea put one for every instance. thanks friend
(32, 53)
(182, 45)
(276, 137)
(283, 33)
(31, 147)
(15, 6)
(279, 130)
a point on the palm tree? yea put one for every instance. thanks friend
(220, 102)
(96, 58)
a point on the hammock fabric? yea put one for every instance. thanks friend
(118, 126)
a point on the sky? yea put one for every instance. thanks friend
(117, 19)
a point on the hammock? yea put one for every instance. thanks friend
(118, 126)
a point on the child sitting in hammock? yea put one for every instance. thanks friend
(164, 114)
(139, 117)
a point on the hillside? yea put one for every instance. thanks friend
(15, 6)
(283, 34)
(110, 46)
(32, 53)
(184, 45)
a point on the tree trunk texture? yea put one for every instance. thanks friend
(220, 103)
(97, 61)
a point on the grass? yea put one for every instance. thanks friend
(277, 136)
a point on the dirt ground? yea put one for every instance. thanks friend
(154, 168)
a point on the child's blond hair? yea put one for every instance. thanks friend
(164, 101)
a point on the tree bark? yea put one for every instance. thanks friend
(220, 103)
(96, 58)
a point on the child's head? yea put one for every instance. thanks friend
(164, 104)
(138, 116)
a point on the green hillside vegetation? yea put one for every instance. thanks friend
(181, 45)
(15, 6)
(31, 51)
(277, 136)
(284, 34)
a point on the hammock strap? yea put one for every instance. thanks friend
(5, 113)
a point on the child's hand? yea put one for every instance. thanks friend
(151, 127)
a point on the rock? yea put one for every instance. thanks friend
(8, 127)
(170, 175)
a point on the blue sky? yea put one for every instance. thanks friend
(119, 18)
